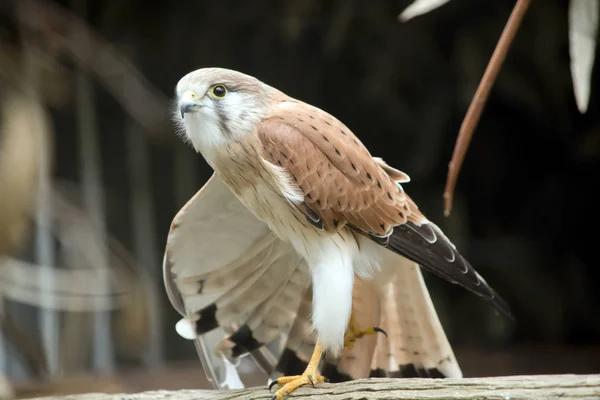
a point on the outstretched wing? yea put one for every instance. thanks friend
(237, 286)
(343, 185)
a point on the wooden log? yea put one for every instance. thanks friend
(500, 388)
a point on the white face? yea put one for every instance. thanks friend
(215, 107)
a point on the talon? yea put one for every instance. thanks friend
(326, 380)
(311, 375)
(377, 329)
(355, 332)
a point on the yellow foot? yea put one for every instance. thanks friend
(354, 332)
(290, 383)
(310, 375)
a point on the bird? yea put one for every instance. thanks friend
(302, 238)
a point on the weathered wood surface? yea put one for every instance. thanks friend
(501, 388)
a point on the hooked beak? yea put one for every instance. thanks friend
(188, 103)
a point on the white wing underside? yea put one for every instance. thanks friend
(216, 243)
(220, 255)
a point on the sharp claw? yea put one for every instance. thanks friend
(274, 397)
(312, 382)
(326, 380)
(376, 329)
(272, 384)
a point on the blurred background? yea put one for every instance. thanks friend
(91, 171)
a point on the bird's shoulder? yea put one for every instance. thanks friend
(298, 125)
(340, 180)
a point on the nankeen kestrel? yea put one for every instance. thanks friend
(297, 202)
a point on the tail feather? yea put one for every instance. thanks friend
(365, 309)
(422, 346)
(416, 344)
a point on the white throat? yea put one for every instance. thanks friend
(205, 135)
(212, 127)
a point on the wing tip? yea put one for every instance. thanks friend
(409, 241)
(501, 306)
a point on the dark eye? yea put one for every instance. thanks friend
(219, 91)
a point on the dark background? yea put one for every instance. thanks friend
(525, 204)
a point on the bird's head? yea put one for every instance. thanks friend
(215, 106)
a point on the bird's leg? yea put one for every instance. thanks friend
(355, 332)
(310, 375)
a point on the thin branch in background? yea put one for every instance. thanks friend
(481, 95)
